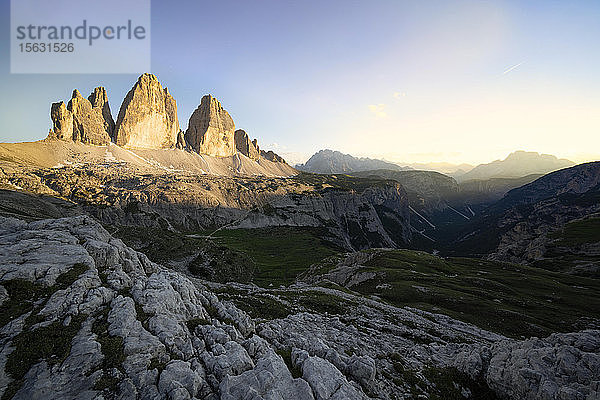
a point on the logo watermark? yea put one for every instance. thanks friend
(111, 36)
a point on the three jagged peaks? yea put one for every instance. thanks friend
(148, 120)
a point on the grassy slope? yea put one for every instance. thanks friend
(279, 253)
(511, 299)
(580, 232)
(566, 250)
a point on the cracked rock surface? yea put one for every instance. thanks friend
(101, 321)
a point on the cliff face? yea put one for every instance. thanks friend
(99, 100)
(356, 213)
(62, 122)
(245, 146)
(211, 129)
(148, 116)
(83, 120)
(374, 217)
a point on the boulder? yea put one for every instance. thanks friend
(211, 129)
(148, 116)
(245, 146)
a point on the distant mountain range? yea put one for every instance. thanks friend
(334, 162)
(516, 165)
(445, 168)
(552, 222)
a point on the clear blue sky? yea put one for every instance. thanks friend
(404, 80)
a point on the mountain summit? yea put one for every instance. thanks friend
(517, 164)
(211, 129)
(334, 162)
(148, 121)
(148, 116)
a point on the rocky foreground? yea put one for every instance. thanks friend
(85, 317)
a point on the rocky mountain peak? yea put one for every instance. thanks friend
(99, 100)
(334, 162)
(245, 146)
(517, 164)
(148, 120)
(83, 120)
(251, 149)
(148, 116)
(272, 156)
(211, 129)
(62, 121)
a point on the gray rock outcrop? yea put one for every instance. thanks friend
(561, 366)
(135, 329)
(148, 117)
(211, 129)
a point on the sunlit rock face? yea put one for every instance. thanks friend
(62, 121)
(99, 100)
(83, 120)
(211, 129)
(148, 116)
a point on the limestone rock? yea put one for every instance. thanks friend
(83, 120)
(99, 99)
(245, 146)
(181, 140)
(148, 116)
(327, 382)
(172, 338)
(89, 124)
(271, 156)
(270, 379)
(62, 120)
(557, 367)
(211, 129)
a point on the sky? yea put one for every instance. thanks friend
(407, 81)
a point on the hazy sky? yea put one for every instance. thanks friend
(458, 81)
